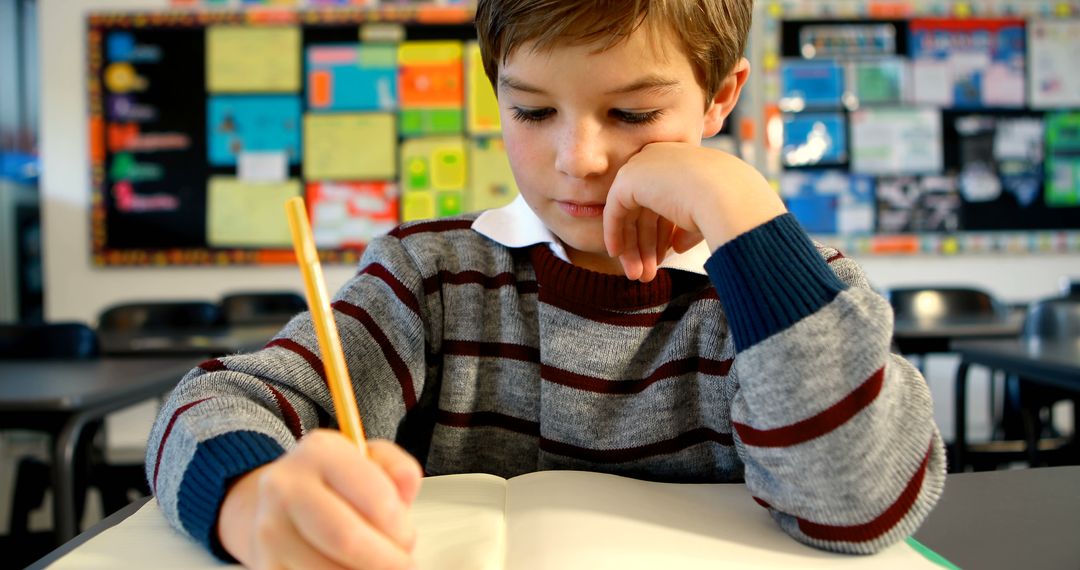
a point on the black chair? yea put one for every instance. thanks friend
(261, 308)
(1052, 319)
(930, 305)
(159, 315)
(1070, 288)
(48, 340)
(32, 475)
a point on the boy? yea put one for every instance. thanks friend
(543, 335)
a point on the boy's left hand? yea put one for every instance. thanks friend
(674, 194)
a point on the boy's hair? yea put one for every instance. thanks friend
(712, 33)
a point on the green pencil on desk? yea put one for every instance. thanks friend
(337, 374)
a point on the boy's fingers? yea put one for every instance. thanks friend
(402, 467)
(664, 230)
(285, 547)
(329, 524)
(630, 256)
(646, 230)
(683, 240)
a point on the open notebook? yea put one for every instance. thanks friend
(550, 519)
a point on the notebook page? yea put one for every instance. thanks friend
(460, 522)
(569, 519)
(143, 540)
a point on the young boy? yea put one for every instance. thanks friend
(646, 308)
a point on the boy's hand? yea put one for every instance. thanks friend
(673, 194)
(324, 505)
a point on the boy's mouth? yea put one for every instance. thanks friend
(582, 210)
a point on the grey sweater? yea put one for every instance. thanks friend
(774, 369)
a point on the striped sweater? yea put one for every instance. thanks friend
(774, 369)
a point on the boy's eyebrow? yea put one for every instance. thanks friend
(650, 82)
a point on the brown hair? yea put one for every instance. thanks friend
(712, 33)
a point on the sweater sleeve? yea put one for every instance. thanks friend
(230, 415)
(836, 433)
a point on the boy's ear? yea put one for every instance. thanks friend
(724, 101)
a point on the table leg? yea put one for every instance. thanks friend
(960, 418)
(63, 472)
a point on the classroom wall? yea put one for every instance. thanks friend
(76, 289)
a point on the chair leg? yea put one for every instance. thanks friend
(960, 418)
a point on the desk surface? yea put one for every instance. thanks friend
(957, 328)
(198, 342)
(1056, 363)
(65, 385)
(1025, 518)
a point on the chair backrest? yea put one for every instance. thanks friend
(160, 316)
(1053, 319)
(943, 302)
(47, 340)
(275, 307)
(1070, 288)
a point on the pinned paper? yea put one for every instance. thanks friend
(352, 77)
(483, 107)
(349, 146)
(250, 58)
(896, 141)
(239, 214)
(491, 182)
(262, 166)
(350, 214)
(431, 82)
(237, 124)
(433, 177)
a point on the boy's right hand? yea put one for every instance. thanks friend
(324, 505)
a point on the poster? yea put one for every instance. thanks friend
(1053, 47)
(830, 201)
(910, 204)
(1063, 160)
(900, 140)
(814, 138)
(968, 63)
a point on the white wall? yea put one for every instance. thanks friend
(75, 289)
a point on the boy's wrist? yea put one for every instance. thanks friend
(740, 202)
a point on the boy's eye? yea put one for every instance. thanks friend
(636, 118)
(532, 115)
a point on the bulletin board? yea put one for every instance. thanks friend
(926, 127)
(202, 123)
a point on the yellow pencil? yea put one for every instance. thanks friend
(337, 374)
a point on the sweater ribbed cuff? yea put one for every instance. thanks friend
(215, 463)
(770, 277)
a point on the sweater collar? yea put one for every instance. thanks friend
(516, 225)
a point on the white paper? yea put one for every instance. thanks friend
(1052, 60)
(932, 83)
(896, 141)
(262, 166)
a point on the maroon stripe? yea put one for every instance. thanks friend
(618, 318)
(762, 502)
(427, 227)
(707, 294)
(292, 419)
(168, 430)
(400, 290)
(819, 424)
(491, 350)
(434, 283)
(838, 255)
(212, 365)
(311, 358)
(665, 371)
(677, 443)
(880, 525)
(401, 370)
(488, 419)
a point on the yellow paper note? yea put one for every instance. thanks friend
(241, 214)
(252, 58)
(491, 182)
(483, 108)
(433, 177)
(350, 146)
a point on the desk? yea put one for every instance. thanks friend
(1051, 363)
(217, 341)
(61, 397)
(997, 519)
(921, 336)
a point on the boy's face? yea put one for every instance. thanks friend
(572, 117)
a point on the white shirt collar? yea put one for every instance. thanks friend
(516, 225)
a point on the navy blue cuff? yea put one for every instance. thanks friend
(215, 463)
(770, 277)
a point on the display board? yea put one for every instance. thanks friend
(926, 127)
(203, 122)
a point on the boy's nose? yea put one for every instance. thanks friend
(582, 152)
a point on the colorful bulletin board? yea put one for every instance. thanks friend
(203, 122)
(926, 126)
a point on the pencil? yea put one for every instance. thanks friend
(337, 374)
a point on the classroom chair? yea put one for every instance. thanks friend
(159, 315)
(67, 340)
(935, 303)
(1051, 319)
(261, 308)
